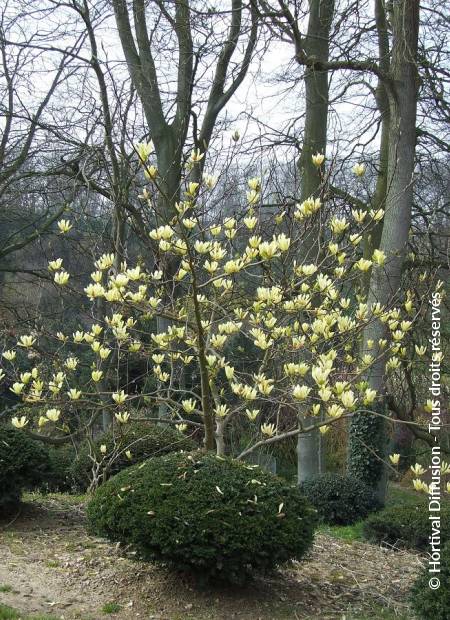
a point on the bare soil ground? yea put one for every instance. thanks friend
(51, 565)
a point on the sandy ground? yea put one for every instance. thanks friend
(51, 565)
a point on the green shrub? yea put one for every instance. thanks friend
(406, 525)
(429, 603)
(142, 439)
(339, 499)
(60, 475)
(24, 463)
(215, 516)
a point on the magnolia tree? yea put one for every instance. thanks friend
(223, 286)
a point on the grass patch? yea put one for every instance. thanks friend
(111, 608)
(5, 587)
(400, 496)
(9, 613)
(63, 499)
(344, 532)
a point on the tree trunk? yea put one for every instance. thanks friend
(364, 456)
(315, 141)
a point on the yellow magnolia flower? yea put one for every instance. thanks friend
(324, 429)
(417, 469)
(335, 411)
(105, 261)
(64, 226)
(301, 392)
(9, 355)
(252, 414)
(428, 407)
(268, 430)
(363, 264)
(196, 156)
(229, 372)
(348, 399)
(71, 363)
(253, 197)
(338, 225)
(188, 405)
(379, 257)
(189, 223)
(209, 180)
(103, 449)
(419, 485)
(56, 264)
(17, 388)
(394, 458)
(182, 428)
(254, 183)
(119, 397)
(26, 341)
(128, 454)
(268, 250)
(96, 375)
(74, 394)
(19, 422)
(250, 222)
(61, 277)
(359, 170)
(53, 414)
(369, 396)
(283, 242)
(144, 150)
(192, 188)
(122, 417)
(359, 215)
(42, 421)
(221, 411)
(318, 159)
(445, 468)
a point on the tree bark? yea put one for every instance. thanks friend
(385, 282)
(309, 452)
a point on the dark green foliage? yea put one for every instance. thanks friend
(24, 463)
(367, 447)
(406, 525)
(142, 439)
(215, 516)
(339, 499)
(429, 603)
(60, 475)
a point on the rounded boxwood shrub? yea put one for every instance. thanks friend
(406, 525)
(198, 512)
(429, 603)
(144, 441)
(24, 464)
(339, 499)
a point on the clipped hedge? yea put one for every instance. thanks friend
(214, 516)
(144, 441)
(406, 525)
(339, 499)
(24, 463)
(428, 603)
